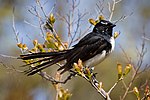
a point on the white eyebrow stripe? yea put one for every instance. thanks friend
(104, 23)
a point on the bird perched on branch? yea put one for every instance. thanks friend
(91, 49)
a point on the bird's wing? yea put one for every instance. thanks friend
(88, 39)
(91, 38)
(85, 50)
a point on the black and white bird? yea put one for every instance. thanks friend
(91, 49)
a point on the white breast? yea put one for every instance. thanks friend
(95, 60)
(100, 57)
(112, 41)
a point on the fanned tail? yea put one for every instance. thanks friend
(47, 59)
(40, 55)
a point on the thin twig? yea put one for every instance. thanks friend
(110, 90)
(53, 80)
(6, 56)
(111, 9)
(11, 68)
(29, 23)
(40, 22)
(125, 55)
(146, 38)
(100, 7)
(15, 31)
(95, 84)
(80, 16)
(135, 74)
(41, 7)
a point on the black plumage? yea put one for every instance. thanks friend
(94, 43)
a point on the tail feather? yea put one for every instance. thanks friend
(40, 55)
(42, 66)
(45, 59)
(32, 69)
(51, 58)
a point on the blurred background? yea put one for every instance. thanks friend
(17, 86)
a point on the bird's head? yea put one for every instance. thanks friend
(104, 27)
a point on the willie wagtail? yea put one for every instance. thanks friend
(91, 49)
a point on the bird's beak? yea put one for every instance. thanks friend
(113, 25)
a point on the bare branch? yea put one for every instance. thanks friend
(80, 16)
(95, 84)
(40, 22)
(110, 90)
(146, 38)
(29, 23)
(100, 7)
(41, 7)
(53, 80)
(112, 9)
(6, 56)
(11, 68)
(139, 64)
(123, 17)
(125, 55)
